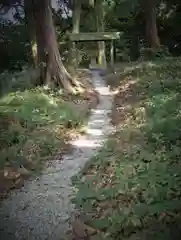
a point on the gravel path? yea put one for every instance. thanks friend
(42, 208)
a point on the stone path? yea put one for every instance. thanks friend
(42, 208)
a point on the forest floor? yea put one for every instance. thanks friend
(36, 125)
(132, 188)
(42, 208)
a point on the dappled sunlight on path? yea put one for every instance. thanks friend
(42, 208)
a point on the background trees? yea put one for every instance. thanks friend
(145, 24)
(34, 35)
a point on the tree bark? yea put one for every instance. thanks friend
(52, 70)
(151, 25)
(100, 28)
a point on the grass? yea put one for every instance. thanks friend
(132, 188)
(36, 124)
(35, 116)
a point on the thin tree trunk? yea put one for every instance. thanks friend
(151, 25)
(75, 29)
(52, 70)
(30, 23)
(100, 28)
(76, 16)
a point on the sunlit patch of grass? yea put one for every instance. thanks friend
(132, 188)
(35, 124)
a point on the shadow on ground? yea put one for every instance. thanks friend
(132, 188)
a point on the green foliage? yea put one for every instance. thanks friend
(120, 15)
(18, 81)
(136, 177)
(34, 123)
(153, 54)
(128, 16)
(14, 47)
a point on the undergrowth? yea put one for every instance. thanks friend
(36, 123)
(132, 188)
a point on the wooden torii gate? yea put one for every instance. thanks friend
(96, 36)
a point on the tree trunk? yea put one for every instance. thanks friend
(151, 25)
(135, 44)
(100, 28)
(30, 23)
(76, 16)
(52, 70)
(75, 29)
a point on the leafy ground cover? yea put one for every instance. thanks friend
(132, 188)
(36, 125)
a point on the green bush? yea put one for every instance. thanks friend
(152, 54)
(14, 47)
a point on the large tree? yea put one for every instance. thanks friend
(52, 70)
